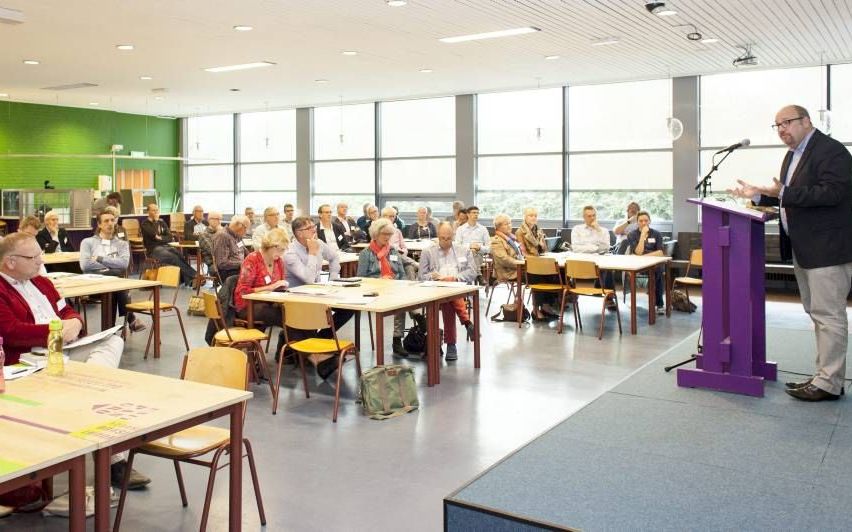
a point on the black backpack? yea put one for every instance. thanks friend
(415, 340)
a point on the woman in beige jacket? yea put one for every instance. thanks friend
(529, 236)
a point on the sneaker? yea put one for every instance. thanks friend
(327, 367)
(61, 506)
(661, 311)
(137, 480)
(137, 326)
(468, 325)
(452, 353)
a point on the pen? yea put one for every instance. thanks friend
(15, 372)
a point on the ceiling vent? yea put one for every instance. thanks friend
(70, 86)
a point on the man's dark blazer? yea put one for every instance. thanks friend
(818, 203)
(339, 234)
(49, 245)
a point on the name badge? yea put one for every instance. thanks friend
(652, 240)
(105, 242)
(240, 244)
(462, 260)
(394, 258)
(120, 235)
(339, 237)
(61, 304)
(267, 279)
(353, 227)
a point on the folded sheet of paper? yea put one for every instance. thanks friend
(86, 340)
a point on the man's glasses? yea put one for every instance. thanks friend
(784, 124)
(30, 257)
(307, 228)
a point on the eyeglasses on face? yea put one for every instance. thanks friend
(784, 124)
(307, 228)
(29, 257)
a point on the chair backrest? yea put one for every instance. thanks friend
(306, 316)
(696, 257)
(177, 221)
(581, 270)
(219, 366)
(131, 227)
(542, 266)
(169, 276)
(211, 307)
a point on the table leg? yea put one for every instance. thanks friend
(102, 484)
(358, 330)
(235, 517)
(652, 296)
(380, 338)
(669, 289)
(432, 342)
(476, 326)
(250, 314)
(519, 296)
(107, 315)
(632, 275)
(155, 317)
(77, 488)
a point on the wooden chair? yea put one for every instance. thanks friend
(547, 266)
(696, 259)
(134, 238)
(177, 221)
(582, 276)
(169, 276)
(219, 366)
(313, 317)
(241, 338)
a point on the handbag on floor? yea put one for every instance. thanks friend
(388, 391)
(509, 312)
(196, 306)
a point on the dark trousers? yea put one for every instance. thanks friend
(172, 257)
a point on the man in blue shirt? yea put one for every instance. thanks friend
(648, 241)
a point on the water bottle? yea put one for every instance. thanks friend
(2, 363)
(55, 362)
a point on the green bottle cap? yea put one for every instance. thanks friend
(55, 325)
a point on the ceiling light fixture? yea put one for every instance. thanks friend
(349, 52)
(551, 57)
(3, 95)
(746, 59)
(31, 62)
(426, 70)
(243, 28)
(124, 46)
(490, 35)
(659, 9)
(320, 81)
(396, 3)
(244, 66)
(158, 98)
(145, 78)
(11, 16)
(709, 40)
(605, 41)
(94, 104)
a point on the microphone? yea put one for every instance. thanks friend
(741, 144)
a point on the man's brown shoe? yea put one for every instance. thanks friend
(812, 394)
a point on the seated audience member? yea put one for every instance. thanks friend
(381, 260)
(648, 241)
(461, 220)
(28, 303)
(303, 264)
(505, 249)
(398, 222)
(287, 222)
(253, 221)
(196, 224)
(119, 231)
(263, 271)
(113, 199)
(156, 236)
(589, 237)
(330, 230)
(270, 221)
(106, 254)
(228, 248)
(30, 225)
(364, 218)
(458, 205)
(531, 240)
(432, 220)
(449, 262)
(352, 230)
(372, 216)
(398, 242)
(422, 228)
(474, 235)
(53, 238)
(205, 240)
(626, 226)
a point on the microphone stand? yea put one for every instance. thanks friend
(703, 186)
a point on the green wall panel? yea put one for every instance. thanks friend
(46, 129)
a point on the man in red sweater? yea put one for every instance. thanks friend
(28, 303)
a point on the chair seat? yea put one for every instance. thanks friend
(692, 281)
(239, 334)
(148, 306)
(591, 291)
(545, 286)
(194, 441)
(319, 345)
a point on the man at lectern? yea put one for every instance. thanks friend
(814, 193)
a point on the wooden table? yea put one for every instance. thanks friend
(88, 284)
(348, 264)
(29, 453)
(61, 257)
(631, 264)
(393, 296)
(113, 410)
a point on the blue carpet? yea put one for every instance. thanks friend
(651, 456)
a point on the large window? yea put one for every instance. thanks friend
(418, 146)
(344, 165)
(841, 102)
(210, 168)
(519, 148)
(620, 148)
(267, 163)
(743, 105)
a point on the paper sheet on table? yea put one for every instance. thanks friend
(312, 290)
(59, 275)
(86, 340)
(354, 300)
(444, 284)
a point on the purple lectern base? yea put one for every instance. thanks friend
(723, 382)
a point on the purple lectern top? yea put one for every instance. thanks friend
(732, 208)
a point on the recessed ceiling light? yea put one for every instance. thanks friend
(30, 62)
(124, 46)
(396, 3)
(245, 66)
(709, 40)
(3, 95)
(243, 28)
(349, 52)
(426, 70)
(234, 90)
(145, 78)
(94, 104)
(158, 98)
(604, 41)
(320, 81)
(666, 13)
(551, 57)
(490, 35)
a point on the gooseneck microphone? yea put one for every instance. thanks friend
(741, 144)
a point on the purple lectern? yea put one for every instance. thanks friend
(733, 358)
